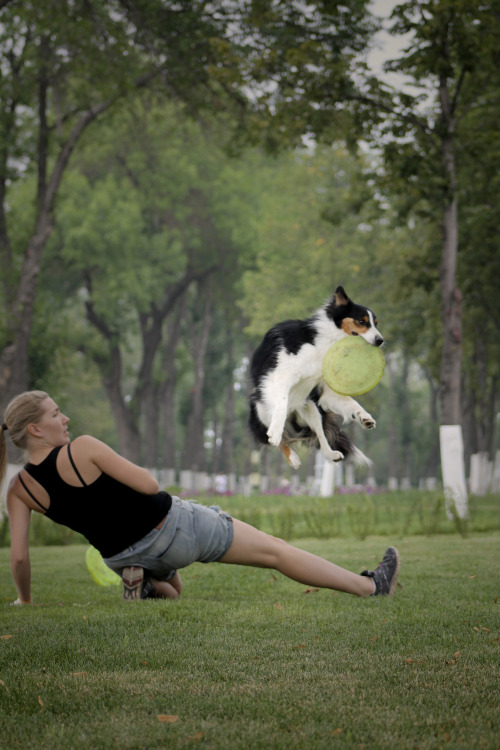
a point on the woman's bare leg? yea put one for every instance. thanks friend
(167, 589)
(256, 548)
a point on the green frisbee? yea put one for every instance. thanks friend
(352, 366)
(98, 569)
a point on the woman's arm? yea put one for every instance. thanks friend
(19, 520)
(111, 463)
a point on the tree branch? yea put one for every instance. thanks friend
(89, 116)
(409, 119)
(454, 101)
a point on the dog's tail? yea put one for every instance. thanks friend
(358, 458)
(337, 438)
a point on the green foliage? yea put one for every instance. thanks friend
(46, 533)
(152, 196)
(283, 523)
(309, 55)
(452, 54)
(323, 519)
(313, 235)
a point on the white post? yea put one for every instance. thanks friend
(452, 466)
(327, 479)
(481, 474)
(350, 479)
(186, 480)
(231, 482)
(495, 479)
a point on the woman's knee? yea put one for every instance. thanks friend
(279, 550)
(272, 551)
(176, 583)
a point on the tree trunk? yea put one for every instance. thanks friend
(393, 453)
(226, 465)
(146, 391)
(194, 453)
(166, 391)
(451, 298)
(128, 433)
(406, 427)
(14, 355)
(432, 463)
(482, 399)
(111, 373)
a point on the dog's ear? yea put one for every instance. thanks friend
(340, 297)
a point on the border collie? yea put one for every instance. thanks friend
(289, 401)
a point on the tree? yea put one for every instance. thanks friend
(451, 58)
(453, 49)
(64, 64)
(153, 209)
(49, 52)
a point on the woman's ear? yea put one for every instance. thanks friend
(34, 429)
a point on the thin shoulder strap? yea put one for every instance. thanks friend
(74, 467)
(31, 494)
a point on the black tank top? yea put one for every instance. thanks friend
(111, 515)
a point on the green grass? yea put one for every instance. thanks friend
(247, 659)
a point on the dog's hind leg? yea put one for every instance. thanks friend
(290, 455)
(346, 407)
(310, 414)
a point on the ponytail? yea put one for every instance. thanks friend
(20, 412)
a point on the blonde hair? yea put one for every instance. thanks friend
(23, 410)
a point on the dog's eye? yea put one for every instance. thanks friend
(362, 323)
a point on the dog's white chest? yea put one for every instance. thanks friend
(297, 374)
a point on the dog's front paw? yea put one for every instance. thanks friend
(365, 420)
(274, 436)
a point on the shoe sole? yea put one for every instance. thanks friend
(132, 578)
(394, 580)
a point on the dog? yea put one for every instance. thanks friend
(289, 400)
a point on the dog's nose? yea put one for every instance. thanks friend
(379, 341)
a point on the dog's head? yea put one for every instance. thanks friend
(353, 319)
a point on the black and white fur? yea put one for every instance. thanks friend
(289, 401)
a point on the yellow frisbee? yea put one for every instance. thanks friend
(352, 366)
(98, 569)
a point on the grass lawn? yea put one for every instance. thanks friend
(247, 659)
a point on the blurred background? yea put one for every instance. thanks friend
(175, 178)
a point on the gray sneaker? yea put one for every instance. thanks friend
(137, 584)
(132, 577)
(386, 573)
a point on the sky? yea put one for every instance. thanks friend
(387, 46)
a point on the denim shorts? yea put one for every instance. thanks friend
(191, 533)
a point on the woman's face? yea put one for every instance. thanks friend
(52, 427)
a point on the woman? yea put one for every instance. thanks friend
(143, 534)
